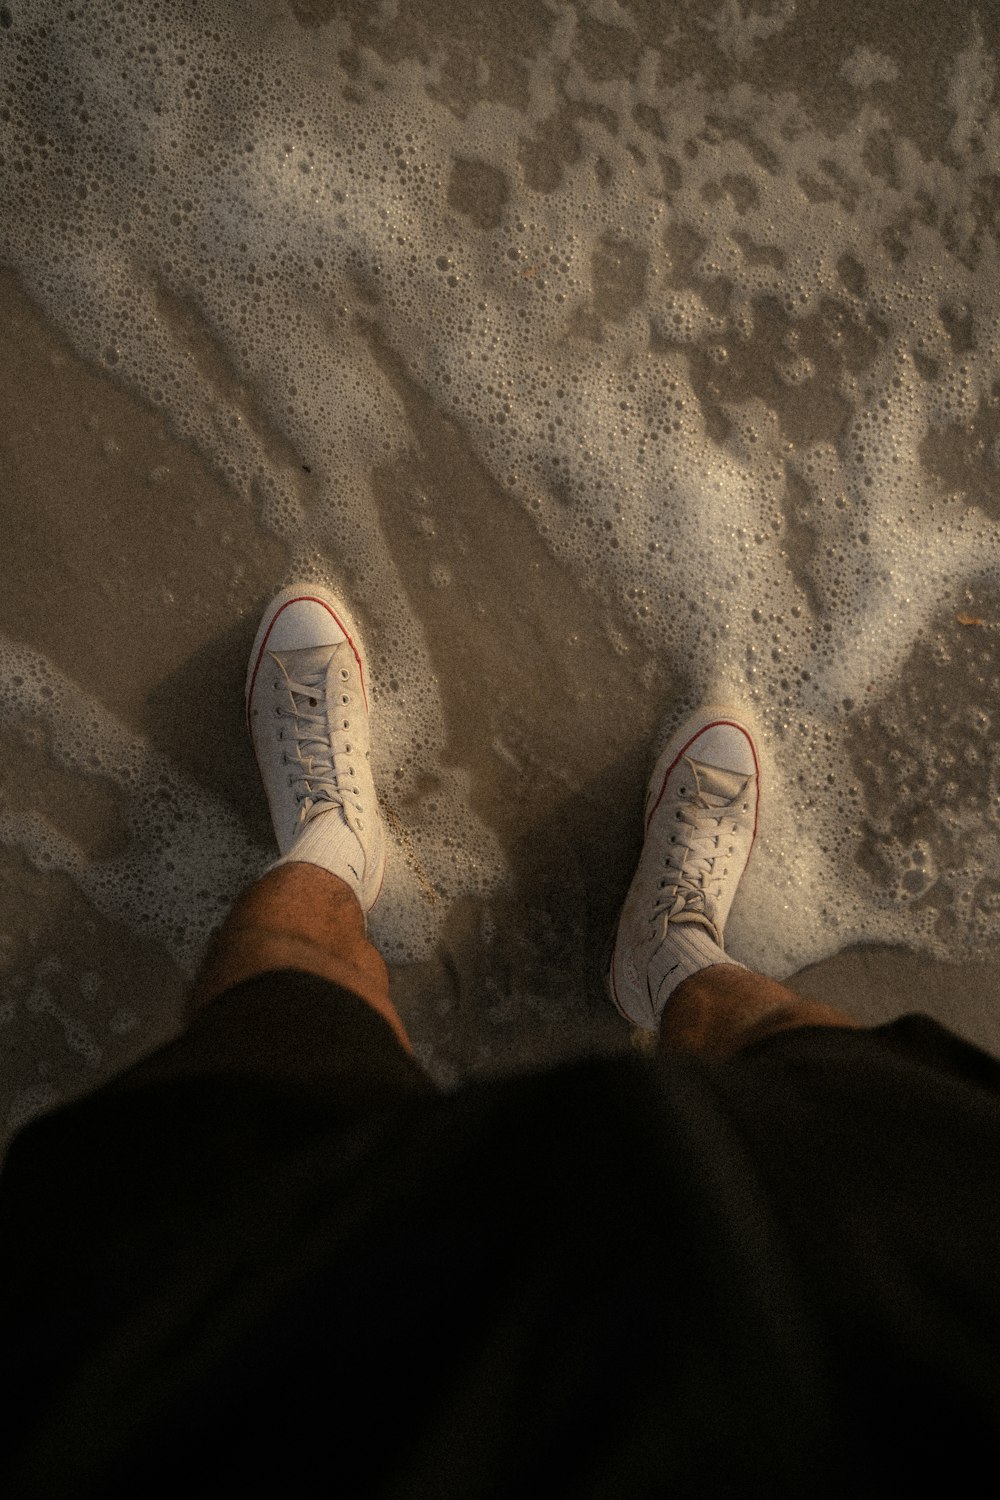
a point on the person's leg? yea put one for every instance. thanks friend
(307, 712)
(298, 916)
(724, 1008)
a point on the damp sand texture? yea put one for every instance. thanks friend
(608, 359)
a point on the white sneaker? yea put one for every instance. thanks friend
(701, 822)
(307, 711)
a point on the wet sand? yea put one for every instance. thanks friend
(89, 474)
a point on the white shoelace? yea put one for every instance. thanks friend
(317, 745)
(691, 884)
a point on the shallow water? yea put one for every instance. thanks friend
(608, 359)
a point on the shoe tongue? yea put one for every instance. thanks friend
(305, 661)
(716, 786)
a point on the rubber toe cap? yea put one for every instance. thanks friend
(303, 622)
(725, 744)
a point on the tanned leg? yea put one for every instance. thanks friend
(298, 916)
(722, 1009)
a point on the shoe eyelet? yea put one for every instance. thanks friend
(677, 813)
(345, 698)
(683, 790)
(344, 674)
(276, 686)
(312, 702)
(347, 723)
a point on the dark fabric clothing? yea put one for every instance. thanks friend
(273, 1258)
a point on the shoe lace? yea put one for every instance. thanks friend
(316, 782)
(694, 865)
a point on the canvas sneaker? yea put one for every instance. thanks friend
(701, 822)
(307, 712)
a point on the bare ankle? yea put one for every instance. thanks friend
(724, 1008)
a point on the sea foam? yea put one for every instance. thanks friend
(736, 360)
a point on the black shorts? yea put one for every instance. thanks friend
(273, 1254)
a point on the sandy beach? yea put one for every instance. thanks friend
(604, 357)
